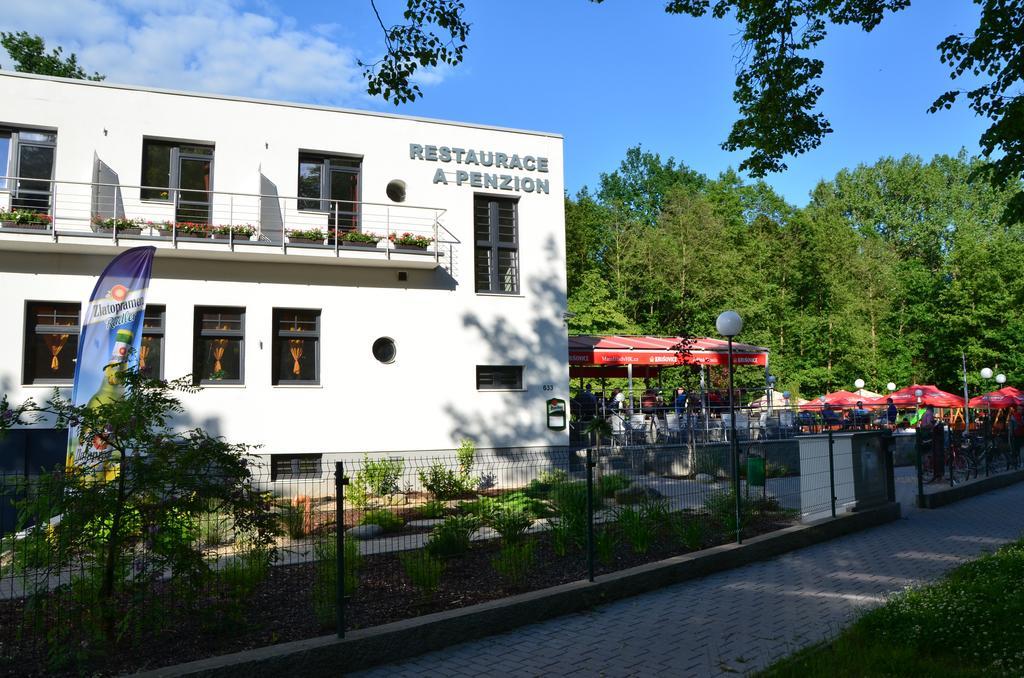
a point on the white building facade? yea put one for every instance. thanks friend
(307, 339)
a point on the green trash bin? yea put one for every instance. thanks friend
(755, 472)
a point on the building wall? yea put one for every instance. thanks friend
(427, 398)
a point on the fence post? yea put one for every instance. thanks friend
(590, 514)
(339, 545)
(988, 446)
(831, 472)
(918, 444)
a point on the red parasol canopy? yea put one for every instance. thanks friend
(930, 395)
(592, 351)
(836, 399)
(1005, 397)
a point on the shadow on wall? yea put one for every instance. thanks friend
(224, 270)
(271, 219)
(107, 202)
(541, 346)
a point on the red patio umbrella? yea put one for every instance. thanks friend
(930, 395)
(1005, 397)
(836, 399)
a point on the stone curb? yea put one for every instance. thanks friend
(328, 655)
(955, 494)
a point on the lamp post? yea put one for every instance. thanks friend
(986, 374)
(891, 386)
(859, 384)
(729, 324)
(771, 394)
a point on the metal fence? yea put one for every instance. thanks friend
(368, 540)
(945, 457)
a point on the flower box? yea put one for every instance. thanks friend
(292, 240)
(33, 226)
(127, 230)
(410, 248)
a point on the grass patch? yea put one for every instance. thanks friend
(968, 624)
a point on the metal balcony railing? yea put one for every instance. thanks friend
(116, 212)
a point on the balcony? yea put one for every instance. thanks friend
(90, 218)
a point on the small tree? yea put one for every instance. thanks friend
(142, 526)
(29, 55)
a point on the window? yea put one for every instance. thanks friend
(295, 466)
(218, 345)
(51, 342)
(384, 350)
(499, 377)
(331, 184)
(27, 156)
(181, 173)
(151, 350)
(496, 230)
(296, 358)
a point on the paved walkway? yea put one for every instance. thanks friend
(741, 620)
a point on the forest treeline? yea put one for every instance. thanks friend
(888, 274)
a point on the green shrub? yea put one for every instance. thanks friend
(515, 501)
(607, 484)
(453, 536)
(293, 520)
(560, 538)
(466, 454)
(605, 542)
(325, 581)
(384, 518)
(510, 523)
(215, 528)
(721, 508)
(432, 509)
(637, 527)
(570, 503)
(244, 572)
(540, 486)
(514, 561)
(381, 477)
(442, 482)
(423, 570)
(689, 531)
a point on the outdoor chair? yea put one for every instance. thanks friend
(639, 429)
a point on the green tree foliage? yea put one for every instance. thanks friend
(777, 85)
(888, 274)
(29, 55)
(415, 45)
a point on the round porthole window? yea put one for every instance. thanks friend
(396, 190)
(384, 350)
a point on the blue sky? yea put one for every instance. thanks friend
(606, 76)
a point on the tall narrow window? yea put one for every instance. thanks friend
(296, 346)
(331, 184)
(51, 342)
(496, 231)
(32, 157)
(179, 172)
(151, 350)
(218, 351)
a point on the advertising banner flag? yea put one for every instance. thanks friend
(110, 338)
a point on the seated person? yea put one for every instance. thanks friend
(830, 417)
(905, 424)
(860, 416)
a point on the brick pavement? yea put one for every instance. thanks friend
(740, 621)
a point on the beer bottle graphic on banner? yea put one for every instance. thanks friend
(111, 389)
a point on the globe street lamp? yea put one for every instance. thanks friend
(729, 324)
(771, 395)
(1000, 379)
(859, 384)
(891, 386)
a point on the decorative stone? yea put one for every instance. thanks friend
(368, 531)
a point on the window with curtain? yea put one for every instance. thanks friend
(218, 355)
(51, 342)
(296, 348)
(496, 233)
(151, 350)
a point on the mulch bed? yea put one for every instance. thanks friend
(281, 608)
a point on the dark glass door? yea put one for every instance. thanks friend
(194, 189)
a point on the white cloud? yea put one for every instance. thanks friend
(220, 46)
